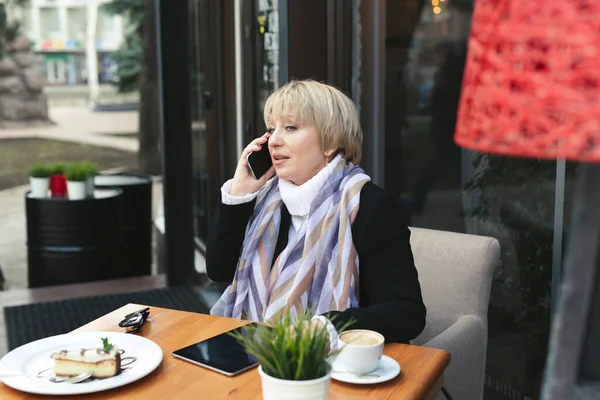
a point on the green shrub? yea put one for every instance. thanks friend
(287, 350)
(40, 171)
(76, 172)
(57, 168)
(90, 167)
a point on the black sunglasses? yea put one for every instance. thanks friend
(134, 321)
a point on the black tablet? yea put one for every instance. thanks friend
(221, 353)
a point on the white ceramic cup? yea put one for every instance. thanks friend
(360, 350)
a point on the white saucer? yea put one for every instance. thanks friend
(387, 369)
(140, 357)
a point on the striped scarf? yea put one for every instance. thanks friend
(318, 271)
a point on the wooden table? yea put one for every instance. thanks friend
(421, 376)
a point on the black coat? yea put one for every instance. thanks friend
(390, 300)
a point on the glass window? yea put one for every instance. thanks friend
(76, 24)
(449, 188)
(108, 31)
(49, 23)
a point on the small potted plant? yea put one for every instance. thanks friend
(294, 357)
(76, 181)
(39, 180)
(91, 170)
(58, 182)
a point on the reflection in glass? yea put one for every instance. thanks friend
(448, 188)
(197, 51)
(266, 56)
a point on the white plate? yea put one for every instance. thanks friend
(141, 356)
(387, 369)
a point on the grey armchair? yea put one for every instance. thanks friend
(455, 272)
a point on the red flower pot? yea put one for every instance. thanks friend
(58, 185)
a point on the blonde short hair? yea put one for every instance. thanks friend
(323, 107)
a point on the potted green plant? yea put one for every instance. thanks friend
(39, 180)
(294, 357)
(58, 182)
(77, 176)
(91, 170)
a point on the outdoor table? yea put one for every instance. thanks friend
(421, 376)
(72, 241)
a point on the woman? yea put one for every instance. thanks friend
(319, 235)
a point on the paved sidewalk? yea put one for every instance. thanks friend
(78, 125)
(81, 125)
(13, 249)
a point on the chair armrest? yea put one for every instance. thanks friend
(459, 334)
(466, 340)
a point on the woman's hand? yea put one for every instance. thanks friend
(311, 326)
(243, 182)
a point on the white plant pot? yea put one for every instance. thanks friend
(281, 389)
(89, 186)
(76, 190)
(39, 187)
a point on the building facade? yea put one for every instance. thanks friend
(401, 61)
(58, 30)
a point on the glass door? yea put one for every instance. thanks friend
(205, 150)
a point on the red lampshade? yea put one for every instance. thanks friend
(531, 85)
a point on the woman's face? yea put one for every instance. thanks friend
(295, 150)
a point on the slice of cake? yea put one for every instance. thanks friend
(102, 362)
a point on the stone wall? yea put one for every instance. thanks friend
(22, 79)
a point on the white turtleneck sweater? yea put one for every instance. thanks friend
(297, 199)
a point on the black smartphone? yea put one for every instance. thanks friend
(221, 353)
(260, 161)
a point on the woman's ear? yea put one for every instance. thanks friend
(330, 152)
